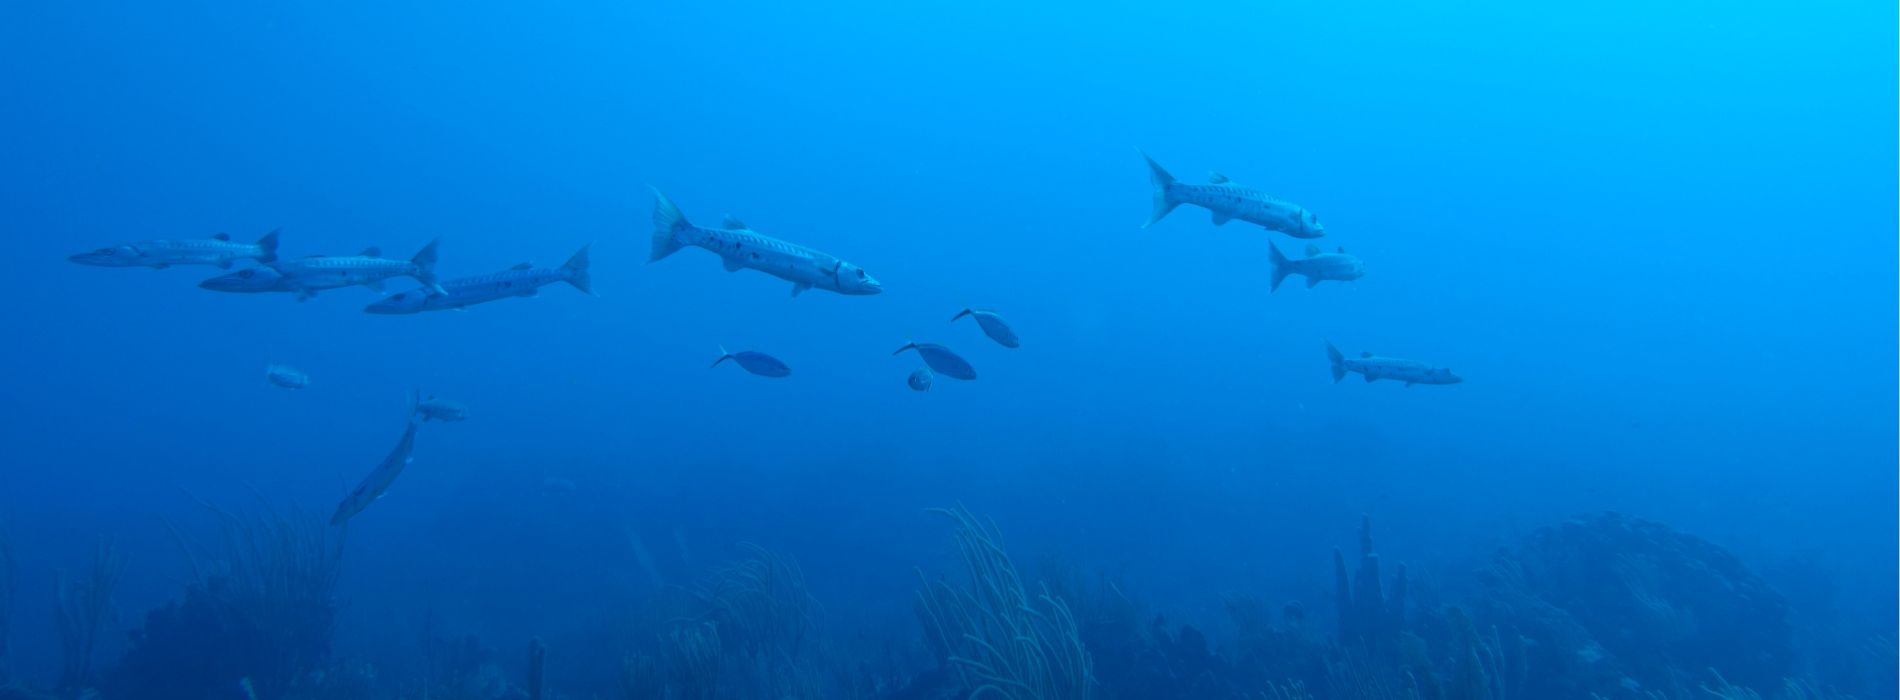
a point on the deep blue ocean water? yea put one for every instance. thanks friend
(1657, 241)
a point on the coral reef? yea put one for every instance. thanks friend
(261, 612)
(1368, 617)
(1636, 604)
(991, 635)
(746, 629)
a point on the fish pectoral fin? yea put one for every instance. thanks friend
(1369, 377)
(1312, 250)
(224, 265)
(531, 291)
(1310, 281)
(1220, 218)
(732, 264)
(799, 288)
(376, 286)
(1408, 385)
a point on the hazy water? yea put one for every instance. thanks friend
(1657, 241)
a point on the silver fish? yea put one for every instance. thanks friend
(433, 408)
(755, 362)
(942, 360)
(286, 377)
(993, 326)
(523, 280)
(1229, 200)
(1374, 368)
(379, 480)
(919, 380)
(1316, 267)
(217, 250)
(739, 247)
(307, 276)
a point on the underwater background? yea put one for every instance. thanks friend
(1657, 240)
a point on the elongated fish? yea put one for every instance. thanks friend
(285, 376)
(433, 408)
(379, 480)
(755, 362)
(993, 326)
(1374, 368)
(307, 276)
(1316, 267)
(941, 360)
(523, 280)
(217, 250)
(739, 247)
(1229, 200)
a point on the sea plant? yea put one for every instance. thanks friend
(991, 634)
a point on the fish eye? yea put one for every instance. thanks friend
(860, 274)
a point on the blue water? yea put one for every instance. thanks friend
(1657, 241)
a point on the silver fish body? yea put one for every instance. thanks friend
(919, 380)
(755, 362)
(217, 250)
(307, 276)
(942, 360)
(740, 248)
(286, 377)
(1375, 368)
(379, 480)
(434, 408)
(1318, 266)
(1229, 200)
(523, 280)
(993, 326)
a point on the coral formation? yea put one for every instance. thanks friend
(991, 635)
(262, 611)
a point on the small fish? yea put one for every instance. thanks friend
(1374, 368)
(378, 480)
(993, 326)
(523, 280)
(307, 276)
(942, 360)
(217, 250)
(1229, 200)
(1316, 267)
(286, 377)
(755, 362)
(433, 408)
(920, 379)
(740, 247)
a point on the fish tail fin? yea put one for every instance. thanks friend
(424, 261)
(268, 246)
(1338, 360)
(1162, 181)
(668, 222)
(961, 314)
(577, 274)
(723, 356)
(415, 403)
(1278, 263)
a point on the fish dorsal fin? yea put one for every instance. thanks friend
(733, 222)
(372, 252)
(1217, 178)
(221, 237)
(523, 266)
(1365, 354)
(1312, 249)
